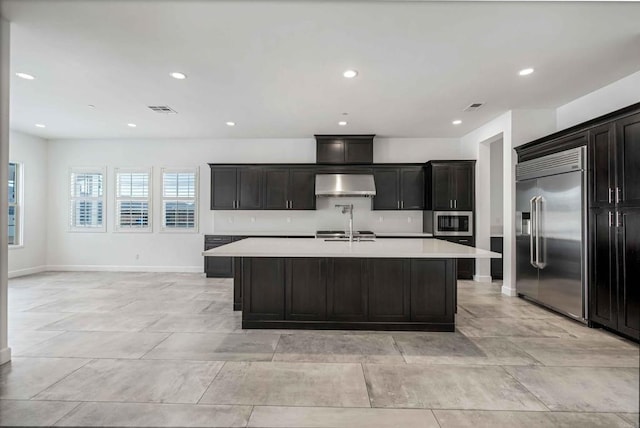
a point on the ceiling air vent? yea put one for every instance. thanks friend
(163, 109)
(473, 107)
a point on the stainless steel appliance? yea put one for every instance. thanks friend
(345, 185)
(449, 223)
(551, 232)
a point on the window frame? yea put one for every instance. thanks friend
(80, 170)
(18, 205)
(149, 199)
(196, 200)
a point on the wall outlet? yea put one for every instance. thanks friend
(288, 219)
(380, 219)
(253, 219)
(137, 256)
(409, 219)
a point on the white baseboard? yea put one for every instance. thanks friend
(27, 271)
(115, 268)
(5, 355)
(509, 291)
(482, 278)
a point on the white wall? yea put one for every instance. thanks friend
(31, 153)
(617, 95)
(496, 186)
(181, 251)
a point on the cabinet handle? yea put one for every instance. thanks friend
(398, 204)
(610, 219)
(401, 204)
(455, 203)
(290, 204)
(618, 219)
(610, 194)
(618, 198)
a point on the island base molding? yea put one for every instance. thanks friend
(390, 294)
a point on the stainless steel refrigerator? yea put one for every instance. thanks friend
(551, 227)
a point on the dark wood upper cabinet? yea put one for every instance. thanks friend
(628, 157)
(276, 186)
(302, 189)
(223, 188)
(399, 188)
(602, 158)
(249, 188)
(450, 185)
(344, 149)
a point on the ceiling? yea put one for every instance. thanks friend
(275, 68)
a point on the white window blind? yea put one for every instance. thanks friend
(179, 200)
(133, 200)
(15, 210)
(87, 200)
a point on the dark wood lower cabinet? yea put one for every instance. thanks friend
(349, 293)
(346, 290)
(466, 267)
(629, 274)
(306, 289)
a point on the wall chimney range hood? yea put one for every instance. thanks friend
(329, 185)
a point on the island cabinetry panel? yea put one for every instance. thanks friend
(306, 289)
(431, 299)
(399, 188)
(389, 289)
(346, 290)
(450, 185)
(263, 288)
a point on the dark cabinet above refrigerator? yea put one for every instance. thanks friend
(344, 149)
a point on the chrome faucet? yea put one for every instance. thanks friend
(348, 208)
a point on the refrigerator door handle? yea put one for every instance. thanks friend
(539, 262)
(531, 231)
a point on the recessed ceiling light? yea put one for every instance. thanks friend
(350, 74)
(178, 75)
(525, 71)
(91, 106)
(231, 124)
(131, 125)
(40, 125)
(25, 76)
(342, 123)
(457, 122)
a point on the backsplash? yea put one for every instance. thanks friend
(325, 217)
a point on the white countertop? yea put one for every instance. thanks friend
(382, 248)
(313, 234)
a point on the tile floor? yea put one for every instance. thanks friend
(150, 349)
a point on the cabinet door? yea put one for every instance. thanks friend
(223, 188)
(389, 290)
(276, 182)
(346, 290)
(358, 152)
(412, 188)
(602, 161)
(628, 143)
(629, 275)
(306, 289)
(217, 267)
(466, 267)
(432, 290)
(603, 296)
(441, 187)
(387, 182)
(263, 284)
(302, 189)
(463, 189)
(249, 188)
(330, 151)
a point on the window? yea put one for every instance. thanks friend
(179, 200)
(87, 200)
(15, 210)
(133, 200)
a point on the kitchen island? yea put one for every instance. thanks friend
(384, 284)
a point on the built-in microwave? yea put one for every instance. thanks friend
(451, 223)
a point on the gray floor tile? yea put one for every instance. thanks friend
(104, 322)
(499, 310)
(135, 381)
(484, 419)
(21, 340)
(325, 417)
(289, 384)
(448, 348)
(335, 348)
(31, 413)
(165, 306)
(632, 418)
(156, 415)
(84, 304)
(197, 323)
(23, 378)
(216, 346)
(34, 320)
(97, 344)
(510, 327)
(586, 389)
(447, 387)
(576, 352)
